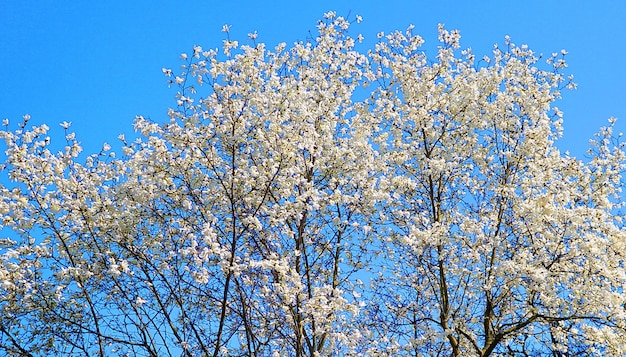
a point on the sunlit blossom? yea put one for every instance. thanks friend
(313, 200)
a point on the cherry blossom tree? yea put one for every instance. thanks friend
(315, 200)
(501, 244)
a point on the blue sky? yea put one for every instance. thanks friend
(98, 63)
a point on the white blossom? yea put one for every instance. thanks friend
(314, 199)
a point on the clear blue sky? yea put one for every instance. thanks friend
(98, 63)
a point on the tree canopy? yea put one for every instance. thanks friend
(320, 200)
